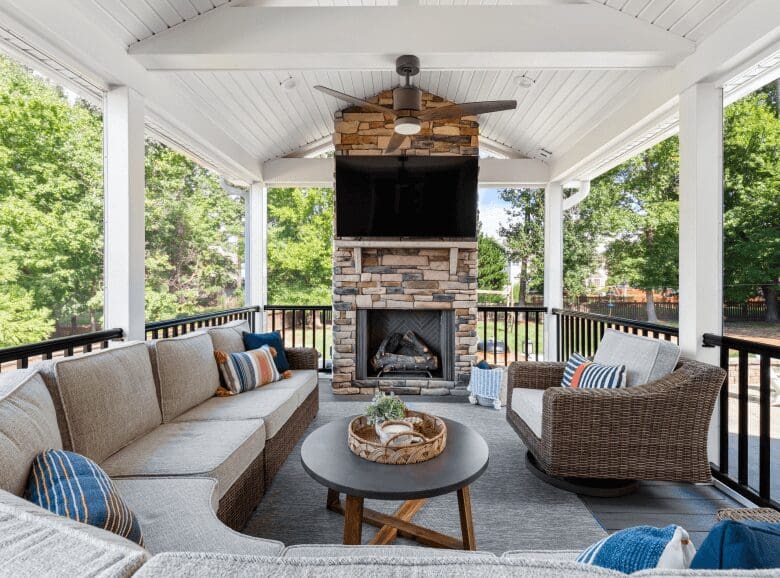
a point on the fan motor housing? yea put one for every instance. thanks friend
(407, 98)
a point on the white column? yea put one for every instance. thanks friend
(701, 218)
(124, 211)
(255, 247)
(701, 226)
(553, 264)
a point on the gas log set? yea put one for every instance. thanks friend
(404, 353)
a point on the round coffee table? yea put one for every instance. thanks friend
(327, 458)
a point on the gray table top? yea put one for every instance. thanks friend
(326, 457)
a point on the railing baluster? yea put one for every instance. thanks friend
(765, 424)
(724, 414)
(742, 433)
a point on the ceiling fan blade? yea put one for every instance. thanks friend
(355, 100)
(467, 109)
(395, 143)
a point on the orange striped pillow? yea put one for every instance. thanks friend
(247, 370)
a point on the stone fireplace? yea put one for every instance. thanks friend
(427, 286)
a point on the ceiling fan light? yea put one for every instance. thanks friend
(407, 125)
(524, 81)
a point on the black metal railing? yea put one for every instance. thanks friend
(508, 334)
(582, 332)
(21, 356)
(182, 325)
(303, 326)
(748, 435)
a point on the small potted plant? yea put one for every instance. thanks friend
(391, 409)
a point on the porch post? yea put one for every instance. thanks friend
(553, 265)
(255, 242)
(701, 228)
(123, 266)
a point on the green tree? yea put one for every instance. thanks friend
(20, 321)
(582, 234)
(492, 269)
(523, 235)
(300, 232)
(751, 219)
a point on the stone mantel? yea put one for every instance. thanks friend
(357, 246)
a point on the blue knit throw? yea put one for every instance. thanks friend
(486, 382)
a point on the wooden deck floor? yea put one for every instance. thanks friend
(655, 503)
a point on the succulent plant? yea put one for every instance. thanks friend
(385, 407)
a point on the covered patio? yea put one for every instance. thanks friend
(231, 84)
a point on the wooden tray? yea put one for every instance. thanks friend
(431, 431)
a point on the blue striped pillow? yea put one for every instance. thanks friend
(580, 372)
(70, 485)
(642, 548)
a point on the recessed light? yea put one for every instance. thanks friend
(289, 83)
(524, 81)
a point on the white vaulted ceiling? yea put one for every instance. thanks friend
(269, 121)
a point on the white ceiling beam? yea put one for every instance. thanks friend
(653, 100)
(369, 38)
(68, 31)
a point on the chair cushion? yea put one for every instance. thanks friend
(272, 339)
(76, 487)
(35, 542)
(733, 545)
(184, 371)
(212, 449)
(274, 406)
(178, 514)
(228, 337)
(527, 403)
(580, 372)
(28, 425)
(646, 359)
(93, 392)
(246, 370)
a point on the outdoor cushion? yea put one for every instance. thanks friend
(212, 449)
(580, 372)
(76, 487)
(35, 542)
(339, 551)
(552, 555)
(228, 337)
(178, 514)
(93, 393)
(271, 339)
(301, 381)
(184, 371)
(733, 545)
(274, 406)
(244, 371)
(527, 403)
(646, 359)
(28, 425)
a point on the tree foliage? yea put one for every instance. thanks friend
(492, 270)
(523, 234)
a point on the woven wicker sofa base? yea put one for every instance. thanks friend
(240, 501)
(281, 445)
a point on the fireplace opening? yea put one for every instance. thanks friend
(400, 343)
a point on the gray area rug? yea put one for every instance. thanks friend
(512, 509)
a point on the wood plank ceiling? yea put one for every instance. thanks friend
(269, 121)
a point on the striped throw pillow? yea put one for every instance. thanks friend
(583, 373)
(246, 370)
(71, 485)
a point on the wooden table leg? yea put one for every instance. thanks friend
(333, 499)
(388, 534)
(466, 523)
(353, 521)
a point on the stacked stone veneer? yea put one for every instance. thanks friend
(403, 279)
(409, 277)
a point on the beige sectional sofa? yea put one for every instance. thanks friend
(185, 462)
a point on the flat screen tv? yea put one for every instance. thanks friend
(406, 196)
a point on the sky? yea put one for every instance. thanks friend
(492, 212)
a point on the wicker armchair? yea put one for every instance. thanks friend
(656, 431)
(302, 357)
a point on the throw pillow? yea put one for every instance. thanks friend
(246, 370)
(582, 372)
(485, 386)
(484, 365)
(273, 339)
(71, 485)
(733, 545)
(640, 548)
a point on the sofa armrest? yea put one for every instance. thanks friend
(302, 357)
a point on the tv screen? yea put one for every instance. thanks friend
(406, 196)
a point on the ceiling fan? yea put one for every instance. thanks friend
(407, 104)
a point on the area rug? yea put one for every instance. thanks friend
(512, 509)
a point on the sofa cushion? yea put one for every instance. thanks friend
(28, 425)
(93, 392)
(178, 514)
(274, 406)
(228, 337)
(76, 487)
(212, 449)
(340, 551)
(646, 359)
(301, 381)
(184, 371)
(552, 555)
(35, 542)
(527, 403)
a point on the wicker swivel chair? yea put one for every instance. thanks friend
(655, 431)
